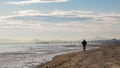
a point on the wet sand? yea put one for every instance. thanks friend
(107, 56)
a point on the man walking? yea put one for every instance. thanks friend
(84, 43)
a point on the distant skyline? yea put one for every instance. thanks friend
(59, 19)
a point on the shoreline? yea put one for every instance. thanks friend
(34, 54)
(107, 56)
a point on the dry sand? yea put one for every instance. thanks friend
(107, 56)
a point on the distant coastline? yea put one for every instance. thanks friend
(92, 41)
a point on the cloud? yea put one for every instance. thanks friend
(60, 13)
(55, 15)
(9, 21)
(32, 20)
(18, 24)
(27, 12)
(66, 13)
(26, 2)
(78, 26)
(71, 15)
(61, 19)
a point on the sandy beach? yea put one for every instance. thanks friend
(107, 56)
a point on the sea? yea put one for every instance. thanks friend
(28, 55)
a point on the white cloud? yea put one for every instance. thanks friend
(63, 13)
(9, 21)
(27, 12)
(106, 19)
(25, 2)
(78, 26)
(57, 13)
(109, 18)
(71, 13)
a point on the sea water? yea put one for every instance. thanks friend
(28, 55)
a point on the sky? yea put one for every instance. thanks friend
(59, 19)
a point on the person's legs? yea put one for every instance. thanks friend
(84, 47)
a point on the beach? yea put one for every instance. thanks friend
(107, 56)
(30, 55)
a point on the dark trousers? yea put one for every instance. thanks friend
(84, 47)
